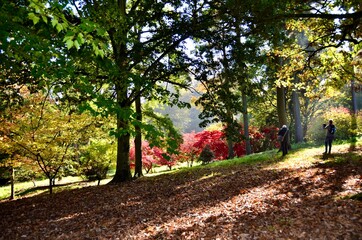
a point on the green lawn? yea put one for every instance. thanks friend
(301, 155)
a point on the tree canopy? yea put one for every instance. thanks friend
(103, 56)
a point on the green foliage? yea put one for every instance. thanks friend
(39, 133)
(96, 158)
(27, 172)
(342, 119)
(357, 197)
(101, 57)
(161, 132)
(5, 175)
(264, 157)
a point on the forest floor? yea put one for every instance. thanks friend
(303, 196)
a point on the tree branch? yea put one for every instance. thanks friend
(355, 15)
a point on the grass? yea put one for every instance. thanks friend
(300, 156)
(41, 186)
(357, 196)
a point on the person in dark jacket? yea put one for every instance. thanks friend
(331, 129)
(283, 138)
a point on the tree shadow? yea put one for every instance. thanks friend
(203, 203)
(27, 191)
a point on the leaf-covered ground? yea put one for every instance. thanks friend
(278, 200)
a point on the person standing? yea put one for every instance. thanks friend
(331, 129)
(283, 138)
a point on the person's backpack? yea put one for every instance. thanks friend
(332, 129)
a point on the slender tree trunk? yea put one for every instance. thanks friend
(229, 133)
(281, 109)
(246, 124)
(50, 185)
(230, 149)
(138, 141)
(12, 194)
(306, 115)
(354, 99)
(354, 118)
(297, 117)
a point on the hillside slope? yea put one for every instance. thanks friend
(298, 197)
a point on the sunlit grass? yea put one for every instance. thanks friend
(268, 156)
(301, 156)
(41, 186)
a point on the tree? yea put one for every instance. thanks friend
(234, 52)
(216, 141)
(206, 154)
(138, 140)
(188, 151)
(316, 61)
(43, 133)
(320, 18)
(104, 55)
(220, 102)
(96, 158)
(114, 41)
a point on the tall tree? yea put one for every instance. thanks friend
(125, 48)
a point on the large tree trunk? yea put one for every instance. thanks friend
(246, 124)
(123, 171)
(229, 114)
(282, 114)
(138, 141)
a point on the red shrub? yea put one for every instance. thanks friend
(261, 140)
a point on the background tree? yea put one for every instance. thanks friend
(97, 158)
(44, 133)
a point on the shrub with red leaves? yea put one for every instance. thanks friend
(261, 140)
(151, 157)
(216, 140)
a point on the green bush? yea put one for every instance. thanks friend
(97, 172)
(206, 155)
(342, 119)
(5, 175)
(26, 173)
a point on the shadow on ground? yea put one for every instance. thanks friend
(238, 202)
